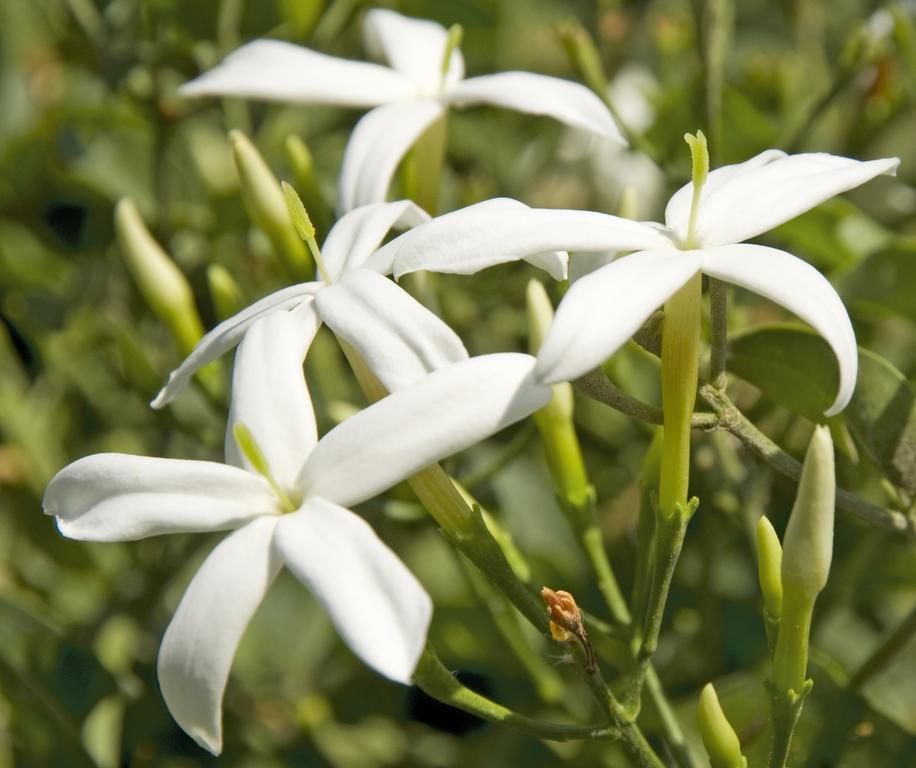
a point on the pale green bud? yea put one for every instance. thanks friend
(808, 542)
(264, 201)
(769, 567)
(162, 284)
(719, 738)
(224, 291)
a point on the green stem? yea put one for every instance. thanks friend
(790, 660)
(786, 708)
(680, 364)
(421, 171)
(718, 347)
(434, 679)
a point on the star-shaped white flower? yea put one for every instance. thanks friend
(407, 97)
(603, 309)
(399, 338)
(286, 499)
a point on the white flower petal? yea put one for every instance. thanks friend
(270, 397)
(771, 194)
(227, 334)
(677, 212)
(437, 416)
(358, 233)
(279, 71)
(800, 288)
(570, 103)
(117, 497)
(377, 145)
(200, 641)
(399, 338)
(413, 47)
(378, 607)
(501, 230)
(605, 308)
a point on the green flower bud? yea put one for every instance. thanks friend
(718, 736)
(225, 292)
(769, 564)
(264, 202)
(808, 543)
(162, 284)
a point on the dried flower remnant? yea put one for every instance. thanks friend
(566, 623)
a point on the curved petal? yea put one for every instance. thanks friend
(439, 415)
(377, 145)
(603, 309)
(768, 195)
(378, 607)
(413, 47)
(358, 233)
(200, 642)
(279, 71)
(800, 288)
(270, 397)
(677, 212)
(227, 334)
(117, 497)
(570, 103)
(501, 230)
(399, 338)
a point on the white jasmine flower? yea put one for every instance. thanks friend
(411, 94)
(285, 494)
(603, 309)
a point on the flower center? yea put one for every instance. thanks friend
(252, 452)
(699, 155)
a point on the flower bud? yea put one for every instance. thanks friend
(769, 564)
(718, 736)
(224, 291)
(162, 284)
(265, 203)
(808, 542)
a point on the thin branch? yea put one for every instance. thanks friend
(596, 385)
(736, 423)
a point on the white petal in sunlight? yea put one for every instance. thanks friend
(800, 288)
(117, 497)
(754, 202)
(269, 395)
(200, 642)
(441, 414)
(279, 71)
(227, 334)
(413, 47)
(399, 338)
(376, 147)
(605, 308)
(378, 607)
(502, 230)
(357, 234)
(570, 103)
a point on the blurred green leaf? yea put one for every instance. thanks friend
(796, 368)
(885, 283)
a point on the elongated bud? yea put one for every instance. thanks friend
(264, 202)
(769, 564)
(584, 54)
(162, 284)
(718, 736)
(224, 291)
(808, 543)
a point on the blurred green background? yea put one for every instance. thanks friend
(89, 114)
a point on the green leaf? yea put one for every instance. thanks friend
(885, 283)
(795, 367)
